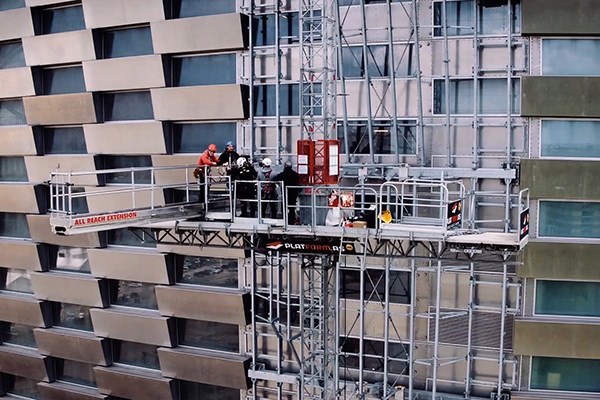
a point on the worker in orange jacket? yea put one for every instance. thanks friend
(207, 159)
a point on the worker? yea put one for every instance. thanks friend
(245, 188)
(206, 160)
(229, 156)
(290, 178)
(268, 190)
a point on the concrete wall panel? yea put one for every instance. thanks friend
(59, 48)
(39, 168)
(124, 73)
(561, 179)
(560, 18)
(567, 261)
(24, 309)
(17, 141)
(16, 24)
(39, 227)
(60, 109)
(16, 82)
(73, 345)
(22, 255)
(101, 13)
(547, 96)
(138, 325)
(125, 138)
(25, 362)
(70, 288)
(141, 266)
(20, 199)
(136, 385)
(66, 391)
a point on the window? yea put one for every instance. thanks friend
(60, 80)
(194, 390)
(11, 4)
(358, 137)
(15, 280)
(357, 2)
(570, 139)
(492, 18)
(73, 316)
(133, 294)
(75, 372)
(136, 354)
(218, 69)
(12, 169)
(17, 334)
(14, 225)
(58, 19)
(11, 54)
(20, 386)
(570, 374)
(195, 8)
(375, 286)
(125, 237)
(72, 259)
(264, 100)
(567, 298)
(492, 96)
(64, 140)
(209, 335)
(373, 355)
(378, 61)
(12, 112)
(210, 271)
(195, 138)
(124, 106)
(264, 29)
(569, 219)
(115, 162)
(572, 57)
(126, 42)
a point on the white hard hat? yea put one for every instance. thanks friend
(266, 162)
(241, 161)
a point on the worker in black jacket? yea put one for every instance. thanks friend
(245, 188)
(290, 178)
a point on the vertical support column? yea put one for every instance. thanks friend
(394, 133)
(252, 122)
(412, 327)
(470, 330)
(449, 161)
(367, 80)
(253, 286)
(420, 133)
(436, 343)
(341, 76)
(502, 327)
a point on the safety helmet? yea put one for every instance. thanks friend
(230, 143)
(266, 162)
(212, 147)
(241, 161)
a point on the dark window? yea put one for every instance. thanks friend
(12, 169)
(264, 29)
(378, 61)
(125, 237)
(195, 138)
(12, 112)
(195, 8)
(358, 137)
(207, 271)
(137, 354)
(209, 335)
(17, 334)
(571, 374)
(264, 100)
(14, 225)
(492, 96)
(61, 80)
(72, 316)
(492, 18)
(373, 355)
(267, 311)
(11, 4)
(15, 280)
(11, 54)
(570, 219)
(58, 19)
(21, 386)
(375, 286)
(115, 162)
(567, 298)
(64, 140)
(73, 259)
(194, 391)
(215, 69)
(75, 372)
(133, 294)
(126, 106)
(127, 42)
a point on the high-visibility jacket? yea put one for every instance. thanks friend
(207, 159)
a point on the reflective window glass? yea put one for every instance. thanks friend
(116, 162)
(17, 334)
(73, 316)
(133, 294)
(20, 386)
(209, 271)
(74, 259)
(570, 139)
(378, 61)
(68, 140)
(194, 390)
(126, 106)
(13, 169)
(15, 280)
(571, 57)
(195, 8)
(372, 355)
(11, 54)
(218, 69)
(126, 42)
(137, 354)
(125, 237)
(492, 96)
(209, 335)
(567, 298)
(264, 29)
(12, 112)
(569, 219)
(75, 372)
(264, 100)
(492, 17)
(572, 374)
(358, 137)
(11, 4)
(14, 225)
(62, 80)
(375, 286)
(195, 138)
(60, 19)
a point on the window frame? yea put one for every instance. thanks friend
(565, 38)
(101, 52)
(540, 144)
(116, 93)
(40, 31)
(560, 316)
(561, 239)
(17, 42)
(566, 392)
(379, 122)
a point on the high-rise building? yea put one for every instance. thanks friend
(489, 106)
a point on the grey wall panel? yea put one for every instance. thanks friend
(547, 96)
(16, 82)
(100, 13)
(124, 73)
(20, 199)
(561, 18)
(200, 102)
(570, 261)
(175, 175)
(59, 48)
(208, 33)
(39, 227)
(125, 138)
(135, 385)
(70, 288)
(556, 339)
(120, 201)
(39, 168)
(213, 368)
(134, 325)
(73, 345)
(561, 179)
(17, 141)
(131, 265)
(16, 24)
(22, 255)
(24, 309)
(25, 362)
(61, 109)
(208, 305)
(66, 391)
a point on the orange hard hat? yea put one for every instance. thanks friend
(212, 147)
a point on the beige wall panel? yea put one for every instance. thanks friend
(69, 288)
(61, 109)
(124, 73)
(39, 227)
(73, 345)
(175, 175)
(213, 368)
(39, 168)
(99, 13)
(207, 33)
(207, 305)
(198, 103)
(125, 138)
(65, 391)
(16, 82)
(21, 255)
(17, 141)
(15, 24)
(200, 251)
(138, 325)
(23, 309)
(135, 385)
(129, 265)
(18, 198)
(374, 319)
(120, 201)
(24, 362)
(59, 48)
